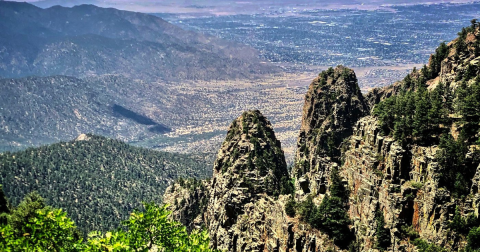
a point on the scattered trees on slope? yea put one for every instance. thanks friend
(331, 216)
(425, 118)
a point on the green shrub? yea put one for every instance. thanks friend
(417, 185)
(42, 228)
(424, 246)
(290, 207)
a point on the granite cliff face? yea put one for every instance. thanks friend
(399, 191)
(250, 165)
(401, 184)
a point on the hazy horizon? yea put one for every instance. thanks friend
(231, 7)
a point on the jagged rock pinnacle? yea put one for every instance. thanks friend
(251, 147)
(333, 104)
(250, 164)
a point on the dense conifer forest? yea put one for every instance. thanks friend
(98, 181)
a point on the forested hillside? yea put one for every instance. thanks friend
(97, 180)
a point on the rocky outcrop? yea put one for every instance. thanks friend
(187, 199)
(240, 205)
(333, 104)
(456, 65)
(401, 184)
(475, 191)
(250, 165)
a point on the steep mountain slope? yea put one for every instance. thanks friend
(402, 177)
(39, 110)
(87, 40)
(97, 180)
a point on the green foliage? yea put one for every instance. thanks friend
(460, 45)
(107, 178)
(331, 144)
(26, 211)
(421, 120)
(4, 207)
(440, 54)
(469, 107)
(290, 207)
(148, 229)
(307, 209)
(458, 224)
(4, 204)
(408, 232)
(33, 226)
(287, 185)
(456, 169)
(424, 246)
(422, 117)
(382, 234)
(473, 240)
(48, 229)
(331, 216)
(417, 185)
(462, 225)
(45, 230)
(337, 189)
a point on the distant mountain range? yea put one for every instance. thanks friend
(233, 7)
(88, 40)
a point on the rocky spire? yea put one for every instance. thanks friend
(333, 104)
(249, 165)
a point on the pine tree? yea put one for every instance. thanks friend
(436, 113)
(337, 189)
(458, 223)
(4, 204)
(4, 207)
(420, 119)
(383, 234)
(470, 108)
(473, 239)
(290, 207)
(331, 215)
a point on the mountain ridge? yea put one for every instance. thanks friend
(88, 40)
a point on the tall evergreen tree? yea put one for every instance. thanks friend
(420, 119)
(337, 189)
(382, 234)
(4, 204)
(436, 113)
(4, 207)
